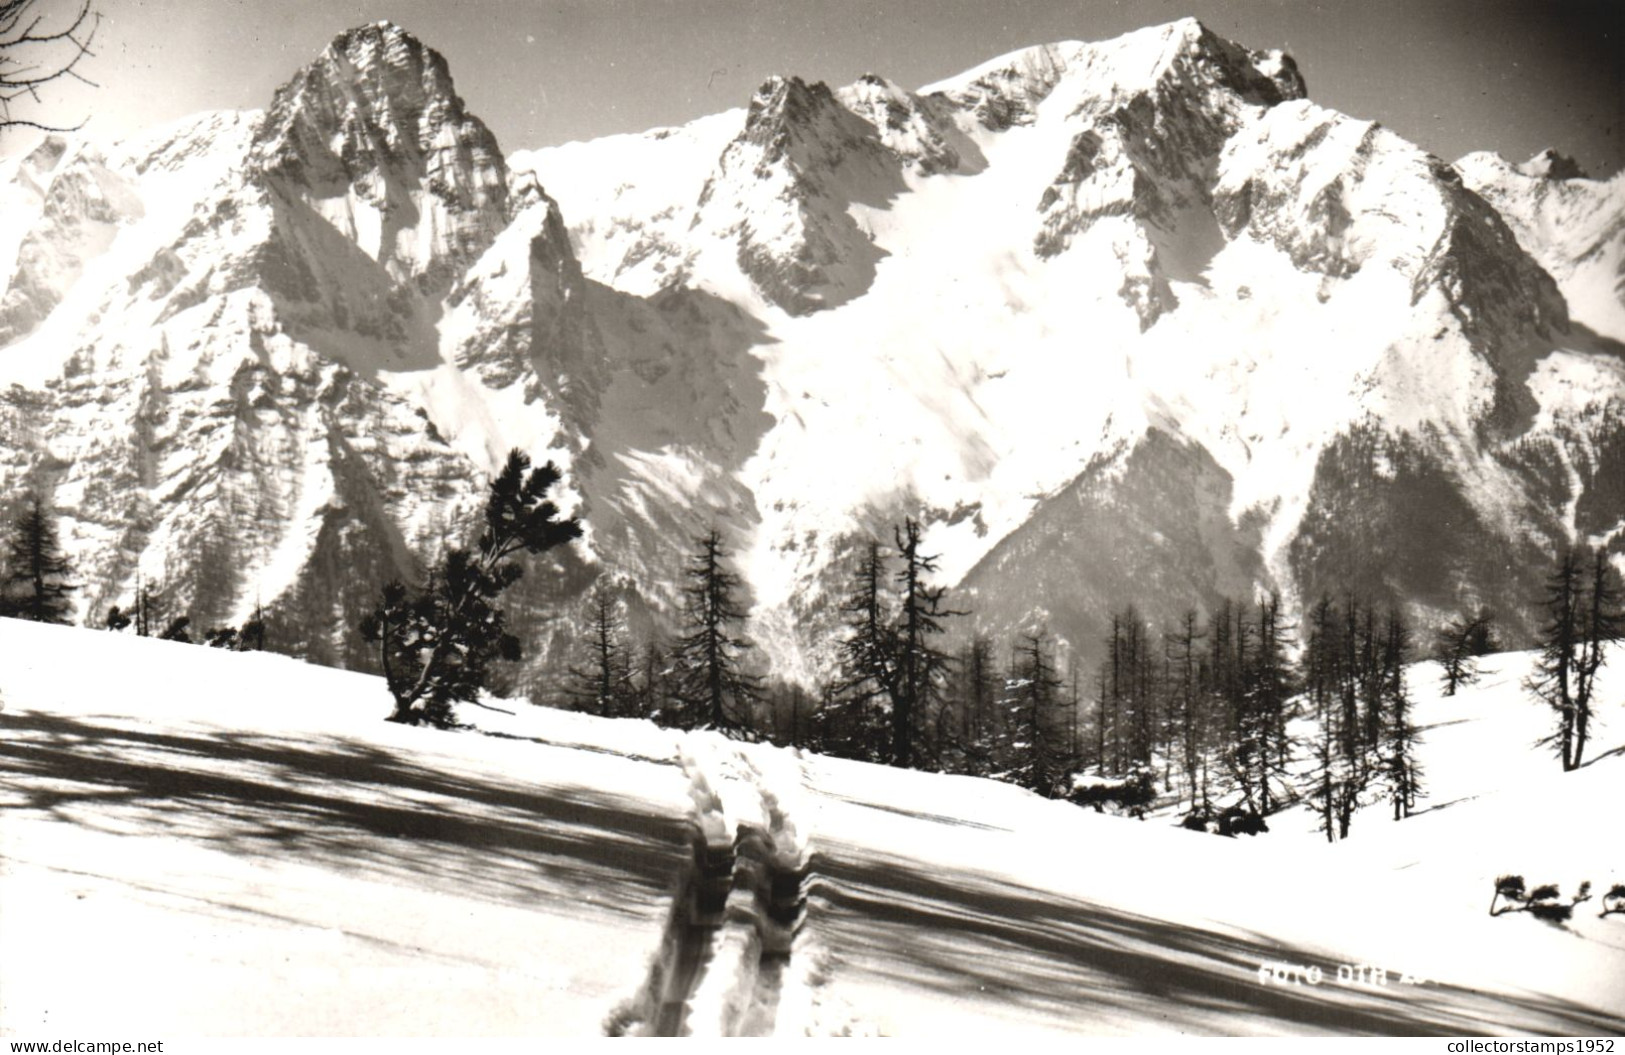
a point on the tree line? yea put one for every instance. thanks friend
(1229, 715)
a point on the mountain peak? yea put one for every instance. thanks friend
(1007, 90)
(1267, 77)
(1549, 164)
(374, 90)
(375, 118)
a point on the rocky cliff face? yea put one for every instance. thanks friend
(225, 402)
(374, 138)
(1130, 321)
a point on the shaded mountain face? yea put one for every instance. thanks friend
(1121, 322)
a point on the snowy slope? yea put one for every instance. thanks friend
(257, 852)
(265, 857)
(1572, 224)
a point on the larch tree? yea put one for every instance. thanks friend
(921, 665)
(1038, 748)
(1600, 622)
(976, 695)
(865, 688)
(1581, 606)
(1400, 736)
(710, 686)
(602, 682)
(1458, 646)
(1323, 670)
(1185, 697)
(35, 585)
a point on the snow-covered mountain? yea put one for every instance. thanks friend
(1130, 321)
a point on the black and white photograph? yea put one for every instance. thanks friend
(708, 518)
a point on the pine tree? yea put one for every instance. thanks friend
(921, 666)
(602, 683)
(251, 637)
(1457, 647)
(865, 688)
(1114, 680)
(652, 695)
(1262, 739)
(436, 645)
(1139, 699)
(709, 686)
(1353, 689)
(1184, 697)
(976, 695)
(1400, 735)
(1037, 748)
(1323, 670)
(1582, 614)
(1223, 679)
(1601, 622)
(144, 607)
(35, 586)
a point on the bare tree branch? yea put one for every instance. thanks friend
(32, 55)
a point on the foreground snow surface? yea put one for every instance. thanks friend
(198, 842)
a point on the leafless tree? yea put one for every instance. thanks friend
(37, 50)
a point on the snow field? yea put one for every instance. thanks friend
(201, 842)
(225, 843)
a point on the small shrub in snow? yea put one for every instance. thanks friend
(1134, 792)
(1541, 902)
(1230, 821)
(1510, 888)
(1613, 902)
(1196, 821)
(1238, 820)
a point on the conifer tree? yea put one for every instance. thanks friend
(1582, 616)
(865, 688)
(1037, 748)
(921, 666)
(251, 637)
(36, 584)
(1400, 735)
(709, 685)
(1114, 682)
(1601, 622)
(144, 607)
(436, 644)
(1184, 702)
(1323, 676)
(977, 695)
(1139, 695)
(602, 682)
(652, 690)
(1261, 750)
(1458, 646)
